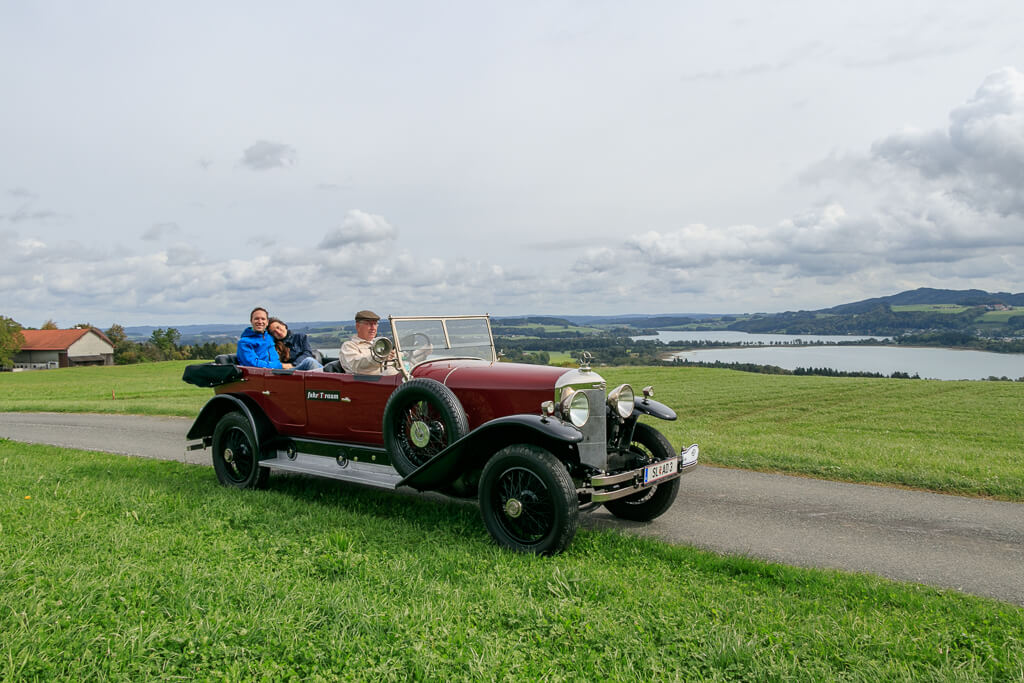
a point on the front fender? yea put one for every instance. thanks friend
(475, 448)
(646, 406)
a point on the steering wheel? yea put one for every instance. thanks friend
(418, 346)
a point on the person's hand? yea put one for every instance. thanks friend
(287, 366)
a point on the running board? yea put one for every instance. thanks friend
(379, 476)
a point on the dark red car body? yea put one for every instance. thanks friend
(535, 443)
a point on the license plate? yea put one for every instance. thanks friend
(660, 470)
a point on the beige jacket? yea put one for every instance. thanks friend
(357, 359)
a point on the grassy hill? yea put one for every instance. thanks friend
(925, 296)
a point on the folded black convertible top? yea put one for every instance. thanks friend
(210, 374)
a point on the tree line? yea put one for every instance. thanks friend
(776, 370)
(163, 344)
(880, 320)
(606, 349)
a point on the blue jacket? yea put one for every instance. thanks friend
(298, 347)
(257, 350)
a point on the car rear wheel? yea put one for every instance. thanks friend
(421, 419)
(236, 454)
(528, 500)
(649, 445)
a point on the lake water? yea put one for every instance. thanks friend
(928, 362)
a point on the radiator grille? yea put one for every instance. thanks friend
(593, 448)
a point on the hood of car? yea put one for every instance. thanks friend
(478, 374)
(490, 390)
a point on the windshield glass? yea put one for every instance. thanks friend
(422, 339)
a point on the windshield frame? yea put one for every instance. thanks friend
(407, 354)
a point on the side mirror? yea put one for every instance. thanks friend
(381, 349)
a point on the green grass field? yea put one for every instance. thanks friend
(550, 328)
(987, 318)
(999, 317)
(954, 437)
(929, 308)
(115, 568)
(559, 357)
(145, 389)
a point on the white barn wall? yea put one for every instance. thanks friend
(89, 345)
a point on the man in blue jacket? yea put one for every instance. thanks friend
(255, 346)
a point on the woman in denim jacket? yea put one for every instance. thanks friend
(293, 347)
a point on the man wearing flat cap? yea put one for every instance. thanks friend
(356, 357)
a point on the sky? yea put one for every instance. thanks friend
(182, 162)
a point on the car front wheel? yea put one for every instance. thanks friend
(236, 454)
(421, 419)
(528, 500)
(649, 445)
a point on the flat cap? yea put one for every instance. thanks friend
(366, 315)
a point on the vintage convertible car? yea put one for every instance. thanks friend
(535, 444)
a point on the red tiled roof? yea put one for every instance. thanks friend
(55, 340)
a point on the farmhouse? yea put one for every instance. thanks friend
(63, 349)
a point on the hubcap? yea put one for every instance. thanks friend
(229, 455)
(513, 508)
(419, 433)
(523, 505)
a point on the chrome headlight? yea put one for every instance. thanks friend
(621, 400)
(576, 406)
(381, 348)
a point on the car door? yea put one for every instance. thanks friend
(345, 407)
(282, 396)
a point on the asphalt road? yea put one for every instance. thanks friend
(970, 545)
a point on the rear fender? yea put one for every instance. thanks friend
(222, 404)
(474, 449)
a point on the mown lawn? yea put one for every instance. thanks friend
(115, 568)
(953, 437)
(144, 389)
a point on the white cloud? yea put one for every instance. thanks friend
(264, 155)
(157, 231)
(943, 206)
(359, 227)
(26, 214)
(979, 159)
(261, 241)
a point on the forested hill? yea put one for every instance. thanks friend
(962, 313)
(928, 296)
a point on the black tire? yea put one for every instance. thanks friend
(649, 445)
(528, 500)
(236, 454)
(421, 419)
